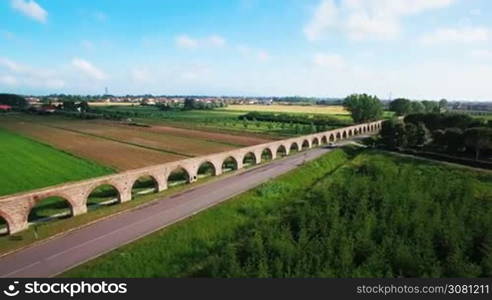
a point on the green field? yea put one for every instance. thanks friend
(27, 165)
(397, 217)
(221, 120)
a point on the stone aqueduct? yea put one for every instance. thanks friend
(15, 209)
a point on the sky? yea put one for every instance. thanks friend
(419, 49)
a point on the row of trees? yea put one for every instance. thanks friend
(402, 106)
(317, 120)
(450, 133)
(15, 101)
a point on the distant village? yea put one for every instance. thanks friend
(53, 102)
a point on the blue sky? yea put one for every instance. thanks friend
(422, 49)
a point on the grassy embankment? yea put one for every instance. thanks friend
(377, 216)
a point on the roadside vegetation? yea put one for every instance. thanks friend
(178, 250)
(373, 216)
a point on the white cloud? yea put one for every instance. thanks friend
(185, 41)
(88, 69)
(482, 54)
(258, 54)
(30, 9)
(475, 12)
(329, 60)
(325, 18)
(465, 35)
(358, 19)
(215, 40)
(263, 55)
(141, 75)
(14, 73)
(8, 80)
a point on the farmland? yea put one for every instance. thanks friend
(122, 146)
(26, 164)
(227, 120)
(304, 109)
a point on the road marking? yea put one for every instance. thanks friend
(22, 269)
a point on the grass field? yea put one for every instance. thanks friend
(397, 217)
(26, 165)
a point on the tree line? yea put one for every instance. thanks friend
(453, 134)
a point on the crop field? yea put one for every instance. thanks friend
(339, 216)
(144, 137)
(302, 109)
(106, 152)
(221, 121)
(124, 146)
(26, 164)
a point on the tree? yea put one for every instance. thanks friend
(189, 104)
(388, 134)
(412, 133)
(478, 138)
(401, 106)
(363, 107)
(417, 107)
(69, 106)
(443, 105)
(13, 100)
(84, 106)
(423, 135)
(431, 106)
(453, 139)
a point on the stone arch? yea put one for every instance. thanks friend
(6, 224)
(144, 184)
(356, 131)
(281, 151)
(315, 142)
(206, 168)
(250, 159)
(324, 140)
(305, 145)
(338, 136)
(103, 194)
(344, 134)
(331, 138)
(229, 164)
(50, 207)
(267, 154)
(350, 133)
(294, 147)
(178, 176)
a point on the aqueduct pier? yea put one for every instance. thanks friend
(15, 209)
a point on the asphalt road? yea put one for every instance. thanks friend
(76, 247)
